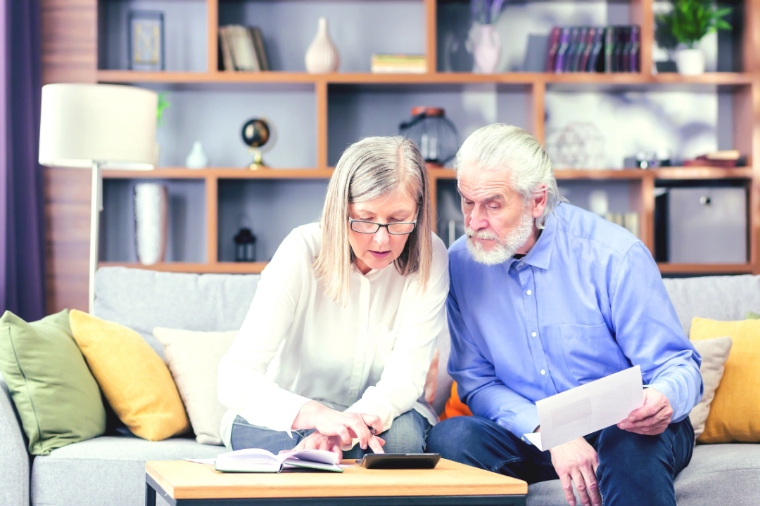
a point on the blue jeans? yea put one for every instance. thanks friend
(406, 435)
(633, 469)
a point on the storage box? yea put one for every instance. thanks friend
(707, 225)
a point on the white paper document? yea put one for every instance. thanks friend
(587, 408)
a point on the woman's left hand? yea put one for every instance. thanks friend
(318, 441)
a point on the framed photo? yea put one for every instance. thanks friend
(146, 40)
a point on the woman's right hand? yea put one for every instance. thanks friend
(317, 441)
(344, 425)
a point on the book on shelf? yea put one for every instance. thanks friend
(226, 61)
(564, 45)
(259, 48)
(553, 46)
(609, 49)
(398, 64)
(594, 49)
(256, 460)
(588, 46)
(242, 49)
(635, 49)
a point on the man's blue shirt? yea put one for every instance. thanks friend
(585, 302)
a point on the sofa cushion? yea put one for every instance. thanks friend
(14, 461)
(106, 470)
(134, 380)
(54, 392)
(142, 300)
(715, 297)
(717, 474)
(193, 358)
(714, 353)
(735, 411)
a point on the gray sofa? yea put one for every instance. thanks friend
(109, 470)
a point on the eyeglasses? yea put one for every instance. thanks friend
(370, 227)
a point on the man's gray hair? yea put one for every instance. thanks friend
(516, 152)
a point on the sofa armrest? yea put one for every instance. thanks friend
(14, 460)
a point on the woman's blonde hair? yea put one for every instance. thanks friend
(371, 168)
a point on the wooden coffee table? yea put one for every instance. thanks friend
(450, 483)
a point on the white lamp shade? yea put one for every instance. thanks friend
(86, 123)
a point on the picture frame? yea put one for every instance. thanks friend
(146, 40)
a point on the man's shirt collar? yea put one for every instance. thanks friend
(540, 254)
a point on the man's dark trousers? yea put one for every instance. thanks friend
(633, 469)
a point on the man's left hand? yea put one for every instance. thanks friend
(652, 418)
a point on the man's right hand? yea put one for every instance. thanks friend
(576, 462)
(344, 425)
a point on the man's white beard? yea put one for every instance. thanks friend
(503, 249)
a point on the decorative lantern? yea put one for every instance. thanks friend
(245, 246)
(435, 136)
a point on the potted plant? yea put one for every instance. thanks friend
(162, 105)
(688, 22)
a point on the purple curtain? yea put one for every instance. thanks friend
(22, 240)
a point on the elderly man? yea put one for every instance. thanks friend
(545, 297)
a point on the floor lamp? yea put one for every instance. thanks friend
(95, 126)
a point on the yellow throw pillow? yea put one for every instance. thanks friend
(735, 411)
(133, 378)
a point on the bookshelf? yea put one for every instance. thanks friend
(372, 103)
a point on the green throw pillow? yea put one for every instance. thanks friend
(751, 315)
(56, 396)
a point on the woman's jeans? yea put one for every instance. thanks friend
(406, 435)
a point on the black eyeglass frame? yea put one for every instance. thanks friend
(387, 226)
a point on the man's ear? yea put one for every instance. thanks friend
(538, 201)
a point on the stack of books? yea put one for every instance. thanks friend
(242, 48)
(629, 221)
(594, 49)
(726, 159)
(398, 64)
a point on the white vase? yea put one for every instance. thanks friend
(486, 48)
(151, 222)
(197, 158)
(322, 56)
(690, 62)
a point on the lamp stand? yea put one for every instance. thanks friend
(96, 207)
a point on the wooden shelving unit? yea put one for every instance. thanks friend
(71, 54)
(524, 78)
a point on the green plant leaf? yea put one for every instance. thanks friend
(690, 20)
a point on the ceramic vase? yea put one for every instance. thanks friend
(690, 62)
(197, 158)
(151, 222)
(322, 56)
(486, 48)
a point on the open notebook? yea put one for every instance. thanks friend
(255, 460)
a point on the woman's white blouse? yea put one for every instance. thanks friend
(296, 344)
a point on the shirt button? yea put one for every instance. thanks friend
(543, 373)
(533, 334)
(529, 292)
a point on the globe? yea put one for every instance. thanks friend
(255, 132)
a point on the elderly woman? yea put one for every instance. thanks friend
(340, 334)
